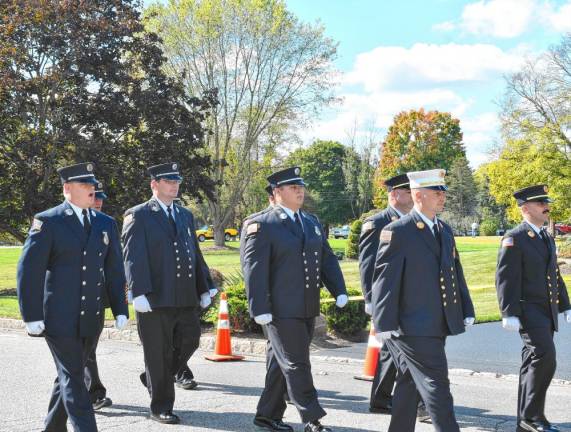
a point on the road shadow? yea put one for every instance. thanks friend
(468, 417)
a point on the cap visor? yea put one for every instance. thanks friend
(169, 177)
(100, 195)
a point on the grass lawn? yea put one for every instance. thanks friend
(478, 257)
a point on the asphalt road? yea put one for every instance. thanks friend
(487, 348)
(228, 392)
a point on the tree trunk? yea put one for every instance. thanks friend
(13, 232)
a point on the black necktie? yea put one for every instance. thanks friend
(298, 221)
(436, 233)
(545, 239)
(171, 220)
(86, 224)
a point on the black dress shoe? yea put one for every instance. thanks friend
(143, 378)
(315, 426)
(102, 403)
(381, 409)
(273, 425)
(422, 415)
(187, 383)
(537, 426)
(166, 417)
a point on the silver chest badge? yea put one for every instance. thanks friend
(105, 237)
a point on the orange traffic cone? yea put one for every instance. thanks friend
(223, 348)
(371, 357)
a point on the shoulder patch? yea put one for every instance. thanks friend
(367, 226)
(36, 225)
(386, 236)
(253, 228)
(128, 219)
(507, 242)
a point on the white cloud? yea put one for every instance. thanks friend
(557, 19)
(503, 18)
(499, 18)
(424, 65)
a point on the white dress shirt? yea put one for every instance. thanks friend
(165, 208)
(79, 212)
(291, 214)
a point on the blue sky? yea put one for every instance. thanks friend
(447, 55)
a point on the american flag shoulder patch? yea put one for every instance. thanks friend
(36, 225)
(386, 236)
(252, 228)
(367, 226)
(507, 242)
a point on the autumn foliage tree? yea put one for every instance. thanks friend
(83, 81)
(418, 140)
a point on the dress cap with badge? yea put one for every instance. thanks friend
(79, 173)
(536, 193)
(429, 179)
(99, 194)
(288, 176)
(400, 181)
(165, 171)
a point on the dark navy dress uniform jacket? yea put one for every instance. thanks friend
(419, 287)
(285, 268)
(528, 281)
(63, 274)
(169, 269)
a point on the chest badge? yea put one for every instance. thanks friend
(105, 237)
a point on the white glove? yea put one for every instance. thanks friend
(121, 321)
(369, 309)
(511, 323)
(141, 304)
(469, 321)
(567, 315)
(35, 327)
(383, 336)
(341, 300)
(213, 292)
(205, 300)
(129, 296)
(263, 319)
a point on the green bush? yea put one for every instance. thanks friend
(348, 321)
(488, 227)
(564, 248)
(352, 246)
(237, 306)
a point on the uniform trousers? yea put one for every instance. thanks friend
(164, 332)
(423, 371)
(70, 397)
(384, 380)
(94, 385)
(538, 363)
(289, 370)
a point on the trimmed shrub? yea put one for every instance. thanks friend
(237, 306)
(348, 321)
(488, 227)
(352, 245)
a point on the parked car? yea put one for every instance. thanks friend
(207, 232)
(562, 229)
(341, 232)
